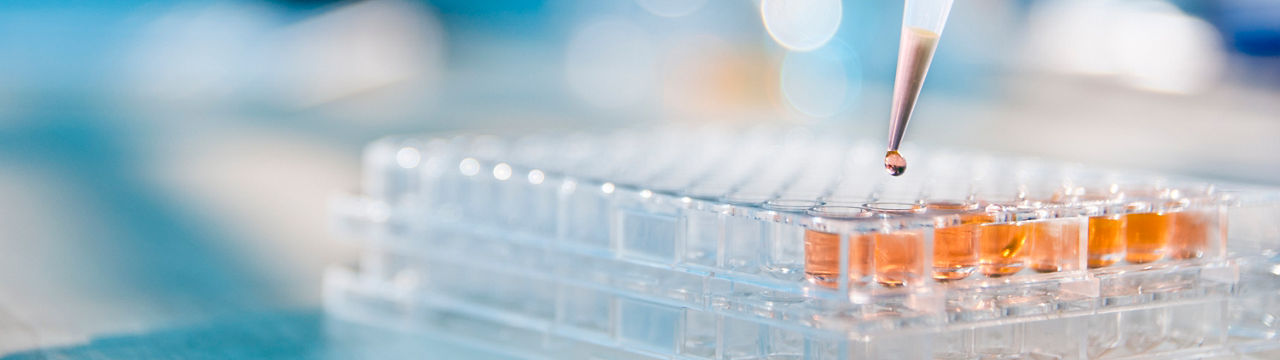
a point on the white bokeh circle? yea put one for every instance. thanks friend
(801, 25)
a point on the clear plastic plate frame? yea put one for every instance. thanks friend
(680, 243)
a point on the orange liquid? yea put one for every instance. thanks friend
(1146, 237)
(1106, 242)
(898, 258)
(894, 163)
(822, 257)
(1054, 245)
(1000, 249)
(1191, 233)
(955, 248)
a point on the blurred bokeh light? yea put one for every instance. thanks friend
(610, 63)
(801, 25)
(823, 82)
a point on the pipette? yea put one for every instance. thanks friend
(922, 23)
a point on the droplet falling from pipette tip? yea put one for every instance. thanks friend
(894, 163)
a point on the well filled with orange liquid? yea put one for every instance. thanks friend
(898, 257)
(1000, 249)
(973, 242)
(1191, 233)
(822, 257)
(1054, 245)
(1106, 240)
(1146, 237)
(955, 248)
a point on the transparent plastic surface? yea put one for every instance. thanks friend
(710, 244)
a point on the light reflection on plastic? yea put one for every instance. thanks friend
(469, 167)
(502, 171)
(408, 157)
(536, 177)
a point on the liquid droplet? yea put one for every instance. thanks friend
(894, 163)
